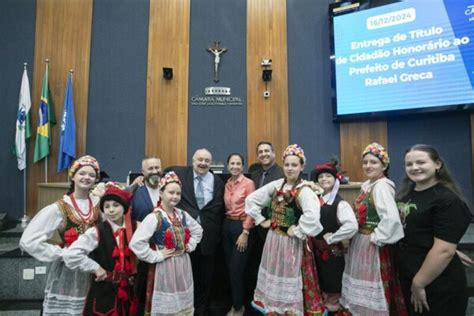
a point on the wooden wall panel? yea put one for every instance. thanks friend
(167, 100)
(63, 35)
(267, 118)
(354, 137)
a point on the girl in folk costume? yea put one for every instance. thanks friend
(174, 233)
(293, 216)
(339, 224)
(435, 217)
(370, 284)
(67, 218)
(103, 250)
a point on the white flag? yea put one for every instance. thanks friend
(23, 127)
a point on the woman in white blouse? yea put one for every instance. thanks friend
(173, 233)
(294, 215)
(55, 228)
(370, 284)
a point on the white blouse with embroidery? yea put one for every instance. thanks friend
(140, 241)
(389, 230)
(308, 224)
(42, 227)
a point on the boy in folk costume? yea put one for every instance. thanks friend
(174, 233)
(55, 228)
(103, 250)
(339, 224)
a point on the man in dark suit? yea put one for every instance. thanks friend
(202, 196)
(145, 198)
(263, 172)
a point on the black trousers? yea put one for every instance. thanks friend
(257, 241)
(203, 273)
(236, 261)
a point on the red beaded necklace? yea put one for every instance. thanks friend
(86, 217)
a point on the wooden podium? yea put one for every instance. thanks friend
(350, 192)
(50, 192)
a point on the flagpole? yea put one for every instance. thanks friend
(25, 219)
(46, 158)
(71, 73)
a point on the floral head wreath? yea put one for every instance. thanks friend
(294, 150)
(84, 161)
(169, 177)
(378, 151)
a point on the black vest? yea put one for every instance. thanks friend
(102, 298)
(329, 218)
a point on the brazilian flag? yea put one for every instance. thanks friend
(46, 119)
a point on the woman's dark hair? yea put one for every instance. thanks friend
(385, 172)
(442, 175)
(71, 188)
(236, 154)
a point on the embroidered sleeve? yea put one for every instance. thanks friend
(348, 222)
(308, 224)
(389, 230)
(36, 235)
(257, 200)
(77, 256)
(196, 232)
(140, 241)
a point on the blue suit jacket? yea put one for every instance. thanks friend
(141, 204)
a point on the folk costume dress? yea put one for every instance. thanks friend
(338, 219)
(280, 282)
(173, 289)
(106, 246)
(370, 284)
(55, 227)
(434, 213)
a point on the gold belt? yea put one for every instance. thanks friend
(237, 218)
(366, 230)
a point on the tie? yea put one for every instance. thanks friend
(262, 179)
(120, 238)
(200, 193)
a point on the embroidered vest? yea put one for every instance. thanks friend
(103, 297)
(284, 210)
(72, 220)
(171, 235)
(329, 217)
(366, 212)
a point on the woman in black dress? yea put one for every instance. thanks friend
(435, 217)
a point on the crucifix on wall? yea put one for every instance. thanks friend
(216, 51)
